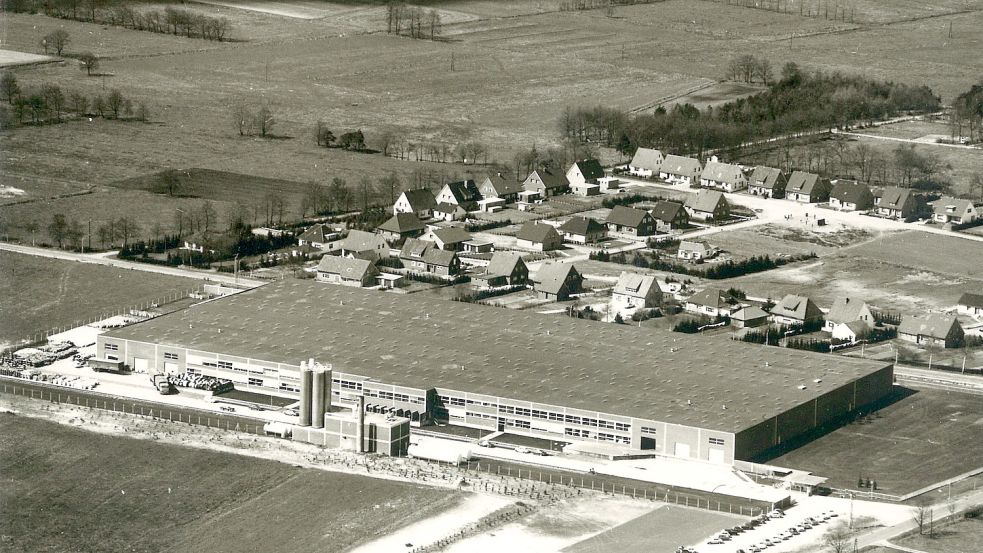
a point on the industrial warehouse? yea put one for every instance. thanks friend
(434, 361)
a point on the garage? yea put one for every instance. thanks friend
(681, 450)
(170, 368)
(716, 455)
(140, 364)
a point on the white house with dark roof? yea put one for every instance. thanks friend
(934, 329)
(696, 251)
(749, 317)
(849, 195)
(420, 202)
(320, 236)
(401, 226)
(498, 185)
(646, 162)
(708, 205)
(680, 169)
(539, 237)
(504, 269)
(447, 238)
(712, 302)
(449, 212)
(346, 271)
(669, 216)
(807, 188)
(582, 230)
(632, 292)
(723, 176)
(795, 310)
(365, 245)
(421, 256)
(584, 172)
(846, 310)
(546, 183)
(953, 210)
(631, 222)
(970, 304)
(768, 182)
(558, 281)
(895, 203)
(463, 193)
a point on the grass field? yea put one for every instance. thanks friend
(961, 537)
(40, 294)
(910, 444)
(673, 525)
(73, 490)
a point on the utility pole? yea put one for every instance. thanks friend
(90, 249)
(452, 61)
(623, 49)
(950, 29)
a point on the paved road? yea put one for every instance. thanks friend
(940, 379)
(104, 259)
(909, 140)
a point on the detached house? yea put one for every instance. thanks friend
(895, 203)
(953, 210)
(749, 317)
(463, 193)
(630, 221)
(851, 195)
(970, 304)
(425, 257)
(558, 281)
(400, 227)
(768, 182)
(498, 186)
(723, 176)
(633, 292)
(346, 271)
(539, 237)
(848, 310)
(646, 162)
(711, 302)
(807, 188)
(932, 330)
(584, 172)
(419, 202)
(449, 212)
(448, 238)
(670, 216)
(680, 169)
(708, 205)
(582, 230)
(696, 251)
(364, 245)
(546, 183)
(320, 236)
(796, 310)
(504, 269)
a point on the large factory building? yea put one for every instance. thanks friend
(559, 378)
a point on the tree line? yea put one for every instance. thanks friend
(798, 101)
(120, 13)
(966, 115)
(49, 104)
(413, 21)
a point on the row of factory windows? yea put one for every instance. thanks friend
(603, 436)
(406, 398)
(540, 414)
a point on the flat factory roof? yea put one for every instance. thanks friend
(423, 342)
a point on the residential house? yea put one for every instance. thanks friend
(320, 236)
(558, 281)
(696, 251)
(749, 317)
(347, 271)
(546, 183)
(584, 172)
(585, 189)
(419, 202)
(448, 238)
(723, 176)
(711, 302)
(646, 162)
(807, 188)
(504, 269)
(499, 186)
(849, 195)
(583, 230)
(953, 210)
(539, 237)
(421, 256)
(205, 242)
(364, 245)
(935, 329)
(685, 170)
(850, 332)
(633, 292)
(768, 182)
(669, 216)
(846, 310)
(895, 203)
(449, 212)
(796, 310)
(479, 246)
(708, 205)
(463, 193)
(631, 222)
(400, 227)
(970, 304)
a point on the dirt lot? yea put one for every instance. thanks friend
(40, 294)
(75, 490)
(773, 240)
(920, 440)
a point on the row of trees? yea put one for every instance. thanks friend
(799, 101)
(252, 120)
(49, 104)
(177, 21)
(966, 116)
(748, 68)
(413, 21)
(71, 232)
(352, 140)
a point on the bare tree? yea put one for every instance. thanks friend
(762, 70)
(56, 40)
(114, 102)
(433, 23)
(389, 186)
(264, 120)
(241, 116)
(837, 538)
(9, 87)
(920, 514)
(88, 62)
(79, 103)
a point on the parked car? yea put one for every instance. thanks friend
(522, 449)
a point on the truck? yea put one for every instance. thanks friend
(162, 384)
(105, 365)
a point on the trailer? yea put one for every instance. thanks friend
(105, 365)
(162, 384)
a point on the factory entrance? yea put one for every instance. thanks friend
(501, 424)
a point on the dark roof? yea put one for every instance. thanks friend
(582, 226)
(503, 263)
(591, 169)
(464, 191)
(893, 197)
(360, 241)
(796, 307)
(536, 232)
(936, 325)
(667, 211)
(401, 223)
(503, 186)
(346, 267)
(452, 235)
(958, 206)
(550, 179)
(636, 285)
(849, 191)
(420, 199)
(971, 300)
(713, 297)
(444, 207)
(765, 177)
(845, 310)
(802, 182)
(705, 200)
(414, 248)
(316, 233)
(528, 356)
(437, 256)
(627, 216)
(551, 277)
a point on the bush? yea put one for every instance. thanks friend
(820, 346)
(436, 279)
(478, 295)
(486, 225)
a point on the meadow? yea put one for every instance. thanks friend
(73, 490)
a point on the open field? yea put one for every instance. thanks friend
(11, 58)
(910, 444)
(40, 293)
(673, 526)
(773, 240)
(75, 490)
(220, 186)
(961, 537)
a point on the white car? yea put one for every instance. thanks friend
(522, 449)
(485, 443)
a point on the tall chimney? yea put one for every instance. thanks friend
(306, 383)
(328, 379)
(317, 399)
(360, 424)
